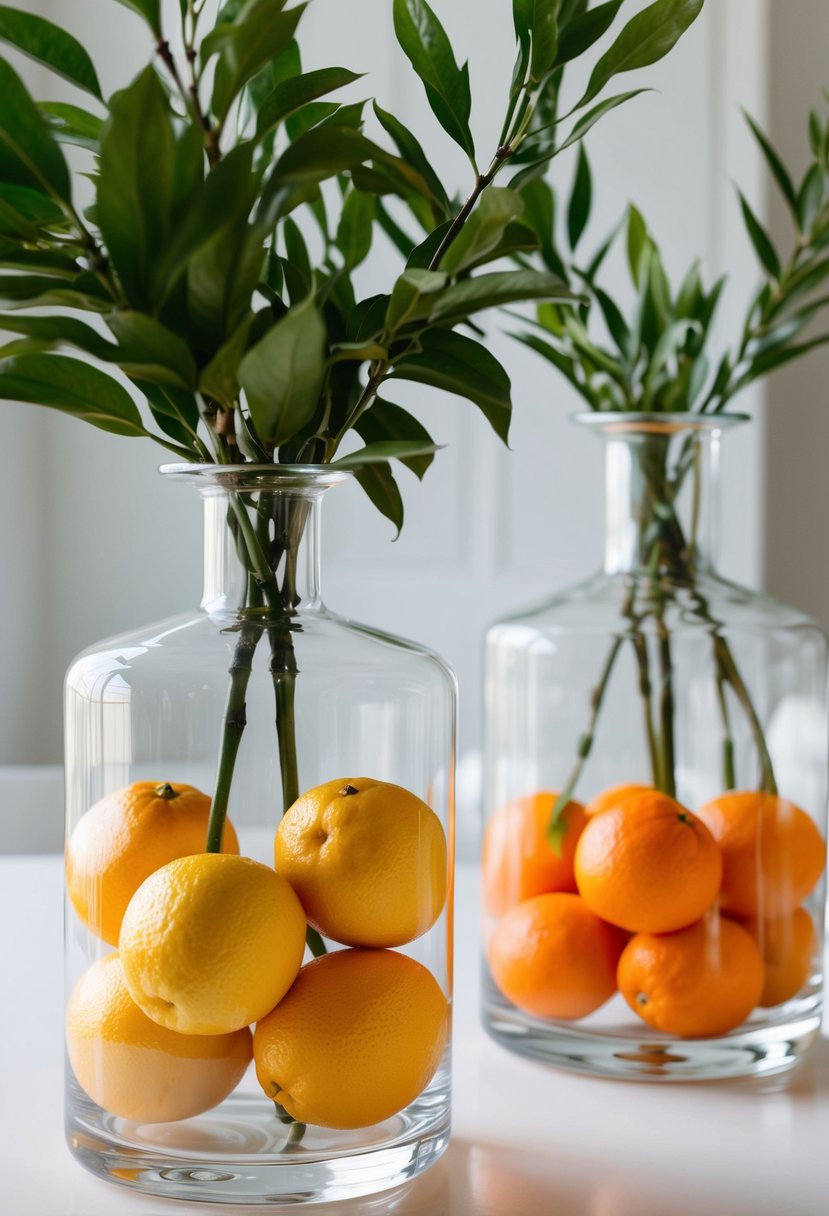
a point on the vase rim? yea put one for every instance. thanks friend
(623, 421)
(310, 477)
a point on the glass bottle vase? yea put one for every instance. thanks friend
(193, 736)
(656, 768)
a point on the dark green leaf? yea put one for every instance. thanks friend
(778, 169)
(378, 482)
(412, 152)
(29, 156)
(424, 41)
(615, 322)
(589, 120)
(384, 450)
(386, 421)
(801, 283)
(220, 378)
(484, 229)
(259, 37)
(298, 261)
(175, 411)
(136, 184)
(149, 350)
(816, 134)
(354, 230)
(561, 361)
(810, 197)
(517, 237)
(413, 297)
(284, 373)
(580, 34)
(72, 125)
(150, 10)
(48, 44)
(536, 25)
(494, 290)
(401, 240)
(38, 291)
(460, 365)
(539, 212)
(647, 38)
(578, 211)
(760, 239)
(322, 152)
(777, 357)
(291, 94)
(72, 387)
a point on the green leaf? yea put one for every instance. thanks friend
(760, 239)
(539, 212)
(39, 291)
(647, 38)
(386, 421)
(136, 184)
(176, 412)
(810, 198)
(72, 125)
(384, 450)
(562, 362)
(484, 229)
(29, 155)
(536, 26)
(777, 357)
(260, 36)
(48, 44)
(589, 120)
(150, 10)
(578, 211)
(517, 237)
(73, 387)
(460, 365)
(637, 242)
(775, 164)
(412, 297)
(291, 94)
(412, 152)
(283, 374)
(579, 35)
(150, 350)
(801, 283)
(220, 378)
(424, 41)
(377, 480)
(354, 230)
(321, 153)
(494, 290)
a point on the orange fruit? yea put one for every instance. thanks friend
(358, 1037)
(553, 958)
(703, 980)
(123, 838)
(773, 855)
(137, 1069)
(367, 859)
(210, 943)
(787, 945)
(612, 796)
(518, 859)
(648, 865)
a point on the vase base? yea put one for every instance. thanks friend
(237, 1155)
(752, 1051)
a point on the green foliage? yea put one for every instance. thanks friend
(655, 353)
(236, 198)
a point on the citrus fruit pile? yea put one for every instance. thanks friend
(695, 919)
(210, 944)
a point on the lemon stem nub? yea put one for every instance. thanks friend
(348, 790)
(166, 791)
(295, 1135)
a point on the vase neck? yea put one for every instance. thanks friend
(661, 499)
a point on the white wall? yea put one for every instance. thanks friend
(95, 544)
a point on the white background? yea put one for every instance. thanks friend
(94, 543)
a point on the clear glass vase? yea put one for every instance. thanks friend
(656, 770)
(259, 696)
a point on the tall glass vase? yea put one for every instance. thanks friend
(656, 770)
(192, 737)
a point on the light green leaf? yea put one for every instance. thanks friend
(73, 387)
(384, 450)
(412, 297)
(48, 44)
(484, 229)
(494, 290)
(283, 374)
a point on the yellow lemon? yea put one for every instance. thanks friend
(358, 1037)
(366, 858)
(137, 1069)
(124, 838)
(210, 943)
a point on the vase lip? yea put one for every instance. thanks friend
(613, 422)
(250, 477)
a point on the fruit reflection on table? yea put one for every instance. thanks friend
(695, 918)
(210, 944)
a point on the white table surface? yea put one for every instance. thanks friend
(528, 1140)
